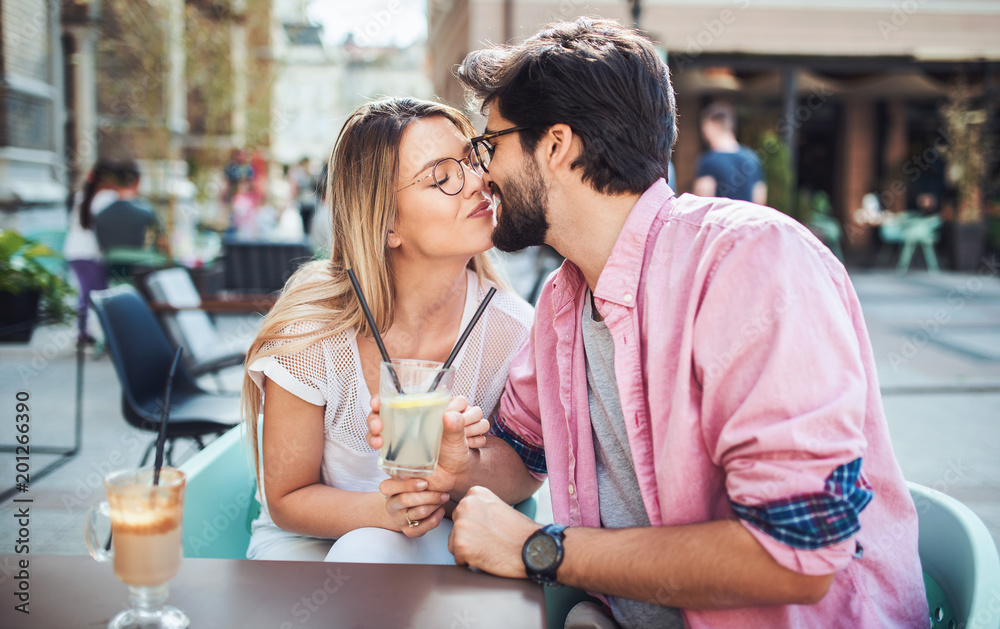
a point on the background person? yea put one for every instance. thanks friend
(129, 222)
(236, 171)
(414, 222)
(303, 183)
(729, 169)
(100, 189)
(320, 235)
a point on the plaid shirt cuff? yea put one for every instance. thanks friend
(532, 455)
(814, 521)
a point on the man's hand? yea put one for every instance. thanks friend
(489, 534)
(464, 429)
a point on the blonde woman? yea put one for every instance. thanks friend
(414, 222)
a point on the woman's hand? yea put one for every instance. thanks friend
(476, 426)
(411, 508)
(460, 420)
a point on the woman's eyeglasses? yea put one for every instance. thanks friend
(448, 175)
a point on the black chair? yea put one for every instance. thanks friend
(142, 355)
(205, 350)
(261, 267)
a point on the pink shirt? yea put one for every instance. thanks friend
(746, 374)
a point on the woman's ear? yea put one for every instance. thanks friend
(394, 239)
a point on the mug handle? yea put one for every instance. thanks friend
(94, 545)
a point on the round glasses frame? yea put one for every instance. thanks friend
(469, 161)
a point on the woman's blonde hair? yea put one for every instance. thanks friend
(361, 192)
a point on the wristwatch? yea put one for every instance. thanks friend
(543, 553)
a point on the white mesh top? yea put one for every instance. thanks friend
(328, 373)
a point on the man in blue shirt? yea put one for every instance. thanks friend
(129, 222)
(728, 169)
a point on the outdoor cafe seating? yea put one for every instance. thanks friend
(911, 230)
(142, 355)
(190, 326)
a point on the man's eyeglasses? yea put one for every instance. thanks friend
(448, 175)
(482, 148)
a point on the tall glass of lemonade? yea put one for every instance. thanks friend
(412, 421)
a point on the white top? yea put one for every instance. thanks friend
(81, 244)
(328, 373)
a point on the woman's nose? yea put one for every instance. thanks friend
(475, 182)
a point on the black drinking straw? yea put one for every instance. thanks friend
(461, 339)
(161, 439)
(371, 324)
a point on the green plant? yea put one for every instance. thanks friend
(964, 117)
(777, 164)
(23, 268)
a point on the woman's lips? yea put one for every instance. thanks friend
(483, 209)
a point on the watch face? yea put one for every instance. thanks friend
(542, 552)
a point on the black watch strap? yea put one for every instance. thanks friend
(542, 554)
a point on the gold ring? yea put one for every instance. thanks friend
(412, 523)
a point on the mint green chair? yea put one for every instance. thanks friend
(919, 231)
(54, 239)
(960, 562)
(122, 263)
(911, 231)
(824, 225)
(220, 502)
(829, 232)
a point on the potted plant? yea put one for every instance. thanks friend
(964, 117)
(30, 291)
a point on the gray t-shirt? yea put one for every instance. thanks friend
(617, 487)
(124, 224)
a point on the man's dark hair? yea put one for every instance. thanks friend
(128, 172)
(605, 81)
(721, 113)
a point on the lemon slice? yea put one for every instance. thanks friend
(417, 401)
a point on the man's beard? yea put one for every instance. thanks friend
(522, 220)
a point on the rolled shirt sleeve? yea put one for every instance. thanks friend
(518, 420)
(784, 393)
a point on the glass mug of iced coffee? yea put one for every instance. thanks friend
(146, 545)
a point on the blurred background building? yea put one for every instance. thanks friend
(180, 86)
(841, 99)
(33, 177)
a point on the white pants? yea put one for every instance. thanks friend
(365, 545)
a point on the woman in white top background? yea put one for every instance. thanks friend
(414, 222)
(100, 189)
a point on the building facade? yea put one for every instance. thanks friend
(319, 83)
(33, 175)
(854, 90)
